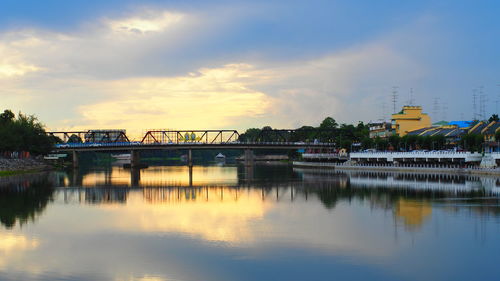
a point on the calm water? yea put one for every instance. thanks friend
(272, 222)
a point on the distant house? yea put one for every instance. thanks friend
(381, 129)
(489, 132)
(452, 133)
(456, 129)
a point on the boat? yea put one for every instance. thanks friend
(220, 157)
(122, 157)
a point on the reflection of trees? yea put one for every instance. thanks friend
(23, 200)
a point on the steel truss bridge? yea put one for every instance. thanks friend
(117, 140)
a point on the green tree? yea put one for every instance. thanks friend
(6, 117)
(328, 123)
(23, 133)
(367, 143)
(493, 117)
(74, 139)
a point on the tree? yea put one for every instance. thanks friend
(249, 135)
(6, 117)
(23, 133)
(472, 142)
(75, 139)
(328, 123)
(395, 141)
(493, 117)
(366, 143)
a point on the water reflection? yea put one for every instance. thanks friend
(161, 224)
(23, 198)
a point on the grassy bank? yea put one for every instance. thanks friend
(19, 172)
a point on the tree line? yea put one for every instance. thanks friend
(356, 137)
(23, 133)
(328, 131)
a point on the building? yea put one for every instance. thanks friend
(409, 119)
(380, 129)
(452, 133)
(492, 144)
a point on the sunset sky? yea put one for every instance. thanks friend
(237, 64)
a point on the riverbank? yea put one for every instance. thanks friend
(10, 167)
(389, 168)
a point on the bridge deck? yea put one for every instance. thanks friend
(187, 145)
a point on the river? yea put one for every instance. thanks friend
(269, 222)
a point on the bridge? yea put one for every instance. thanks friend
(117, 140)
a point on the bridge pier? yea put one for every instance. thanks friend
(135, 159)
(75, 159)
(135, 177)
(249, 157)
(190, 176)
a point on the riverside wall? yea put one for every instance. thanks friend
(392, 168)
(27, 164)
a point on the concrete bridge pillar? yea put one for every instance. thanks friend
(135, 158)
(75, 159)
(249, 157)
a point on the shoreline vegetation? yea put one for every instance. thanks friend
(22, 143)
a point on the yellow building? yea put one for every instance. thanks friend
(409, 119)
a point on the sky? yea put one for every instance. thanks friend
(141, 65)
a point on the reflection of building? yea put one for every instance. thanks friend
(413, 213)
(381, 129)
(105, 195)
(409, 119)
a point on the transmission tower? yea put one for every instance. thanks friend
(444, 111)
(394, 97)
(410, 98)
(483, 99)
(435, 108)
(497, 100)
(382, 114)
(474, 104)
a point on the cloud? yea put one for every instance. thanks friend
(13, 63)
(209, 98)
(131, 73)
(146, 23)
